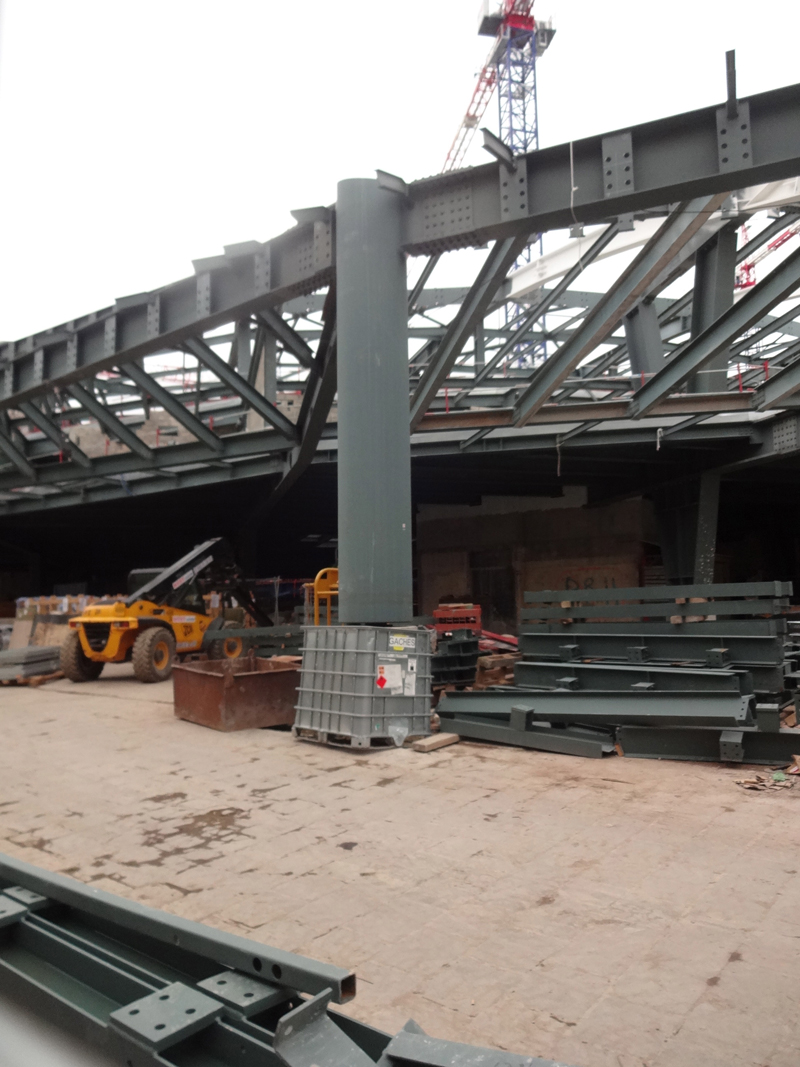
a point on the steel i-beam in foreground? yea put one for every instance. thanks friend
(142, 987)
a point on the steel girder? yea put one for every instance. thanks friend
(652, 165)
(148, 384)
(778, 285)
(672, 159)
(635, 284)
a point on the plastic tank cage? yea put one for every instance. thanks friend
(364, 686)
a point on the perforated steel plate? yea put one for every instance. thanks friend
(247, 995)
(11, 911)
(162, 1018)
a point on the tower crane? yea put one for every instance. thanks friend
(510, 67)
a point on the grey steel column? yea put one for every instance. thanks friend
(269, 368)
(714, 278)
(706, 541)
(645, 347)
(686, 515)
(374, 461)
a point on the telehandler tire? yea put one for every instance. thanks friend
(153, 654)
(227, 647)
(75, 664)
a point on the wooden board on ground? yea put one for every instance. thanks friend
(430, 744)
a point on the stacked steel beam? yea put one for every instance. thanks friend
(685, 672)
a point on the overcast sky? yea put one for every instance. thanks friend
(135, 137)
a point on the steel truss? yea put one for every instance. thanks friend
(231, 374)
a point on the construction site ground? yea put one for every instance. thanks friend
(604, 913)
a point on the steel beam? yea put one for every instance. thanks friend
(522, 707)
(17, 457)
(472, 312)
(619, 677)
(374, 456)
(55, 433)
(643, 337)
(547, 299)
(109, 421)
(201, 351)
(673, 159)
(706, 535)
(289, 338)
(662, 249)
(778, 387)
(741, 745)
(714, 278)
(318, 398)
(228, 288)
(172, 405)
(415, 294)
(541, 736)
(778, 285)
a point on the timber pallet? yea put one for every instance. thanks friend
(323, 737)
(33, 680)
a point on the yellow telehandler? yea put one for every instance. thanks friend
(163, 618)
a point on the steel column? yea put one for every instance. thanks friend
(677, 520)
(666, 248)
(643, 336)
(374, 447)
(714, 278)
(706, 536)
(717, 337)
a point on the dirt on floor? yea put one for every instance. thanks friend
(605, 913)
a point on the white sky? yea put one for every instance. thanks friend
(135, 137)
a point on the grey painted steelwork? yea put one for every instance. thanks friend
(602, 708)
(714, 278)
(706, 535)
(476, 304)
(89, 978)
(178, 938)
(643, 337)
(747, 745)
(762, 656)
(264, 295)
(617, 677)
(568, 740)
(635, 284)
(374, 455)
(777, 286)
(655, 594)
(675, 159)
(719, 608)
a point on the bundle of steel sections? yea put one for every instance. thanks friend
(701, 672)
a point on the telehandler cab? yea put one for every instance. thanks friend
(163, 618)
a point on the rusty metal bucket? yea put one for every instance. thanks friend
(242, 694)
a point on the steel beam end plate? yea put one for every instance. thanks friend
(167, 1016)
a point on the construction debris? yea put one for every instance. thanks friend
(496, 670)
(760, 782)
